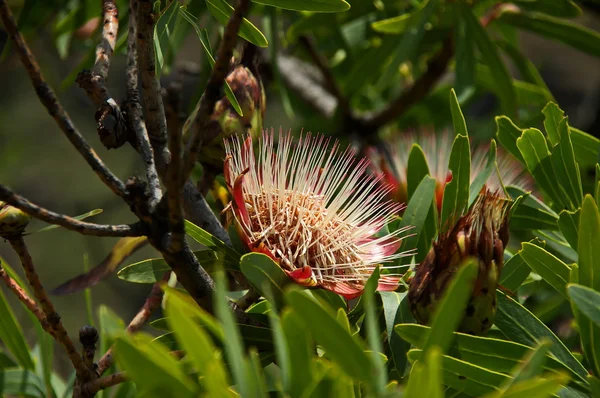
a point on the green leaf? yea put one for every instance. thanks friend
(12, 335)
(207, 51)
(232, 339)
(489, 53)
(508, 134)
(515, 270)
(395, 25)
(568, 222)
(231, 258)
(535, 388)
(481, 179)
(587, 301)
(307, 5)
(222, 12)
(585, 146)
(589, 276)
(548, 266)
(491, 353)
(456, 192)
(153, 269)
(425, 378)
(558, 8)
(299, 352)
(416, 213)
(534, 150)
(379, 378)
(406, 48)
(471, 379)
(533, 365)
(396, 309)
(153, 369)
(458, 119)
(265, 275)
(17, 382)
(331, 335)
(520, 325)
(198, 346)
(465, 61)
(80, 217)
(571, 34)
(451, 308)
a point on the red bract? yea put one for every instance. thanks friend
(313, 209)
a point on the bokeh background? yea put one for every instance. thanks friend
(37, 161)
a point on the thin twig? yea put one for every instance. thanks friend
(212, 92)
(54, 107)
(85, 228)
(135, 109)
(173, 180)
(155, 113)
(419, 89)
(330, 82)
(91, 388)
(152, 303)
(104, 51)
(52, 317)
(23, 297)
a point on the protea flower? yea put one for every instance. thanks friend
(313, 209)
(225, 121)
(482, 234)
(437, 148)
(12, 220)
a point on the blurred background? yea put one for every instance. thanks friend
(37, 161)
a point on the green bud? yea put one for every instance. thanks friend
(12, 220)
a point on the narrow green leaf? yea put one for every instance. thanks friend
(231, 258)
(456, 192)
(465, 62)
(12, 335)
(458, 119)
(328, 332)
(473, 380)
(533, 365)
(395, 25)
(553, 116)
(567, 169)
(514, 272)
(568, 222)
(535, 388)
(379, 376)
(198, 346)
(307, 5)
(416, 169)
(17, 382)
(585, 146)
(558, 8)
(451, 308)
(80, 217)
(508, 134)
(589, 276)
(151, 366)
(208, 52)
(489, 53)
(416, 213)
(425, 378)
(548, 266)
(520, 325)
(396, 310)
(233, 341)
(265, 275)
(587, 301)
(222, 11)
(299, 348)
(571, 34)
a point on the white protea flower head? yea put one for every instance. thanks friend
(437, 149)
(313, 209)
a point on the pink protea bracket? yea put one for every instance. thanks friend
(303, 276)
(388, 283)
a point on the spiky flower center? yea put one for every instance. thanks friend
(312, 206)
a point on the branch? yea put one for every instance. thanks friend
(155, 113)
(212, 92)
(52, 317)
(435, 69)
(85, 228)
(50, 101)
(330, 82)
(152, 303)
(26, 300)
(91, 388)
(173, 180)
(134, 110)
(295, 75)
(106, 47)
(248, 299)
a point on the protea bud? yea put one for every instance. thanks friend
(314, 210)
(225, 121)
(12, 220)
(481, 234)
(437, 148)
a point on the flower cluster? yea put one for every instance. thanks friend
(314, 209)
